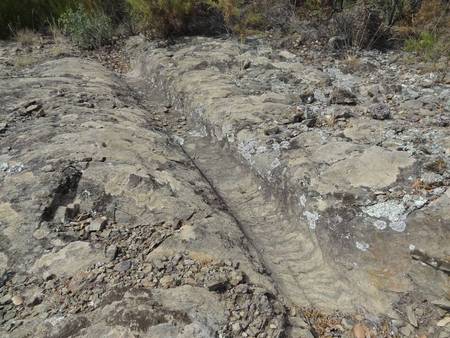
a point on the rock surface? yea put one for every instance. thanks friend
(351, 175)
(107, 228)
(222, 189)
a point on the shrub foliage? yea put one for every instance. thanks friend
(31, 14)
(168, 17)
(88, 30)
(360, 23)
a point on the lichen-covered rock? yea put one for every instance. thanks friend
(232, 207)
(90, 194)
(351, 185)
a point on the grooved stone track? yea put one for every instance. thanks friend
(284, 244)
(339, 209)
(105, 221)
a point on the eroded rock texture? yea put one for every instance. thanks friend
(223, 189)
(107, 228)
(357, 161)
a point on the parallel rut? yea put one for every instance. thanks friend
(285, 246)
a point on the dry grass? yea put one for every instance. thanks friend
(24, 61)
(330, 120)
(56, 33)
(402, 32)
(58, 50)
(439, 166)
(61, 44)
(433, 16)
(202, 258)
(26, 37)
(430, 31)
(351, 63)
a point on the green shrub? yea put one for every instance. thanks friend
(32, 14)
(427, 45)
(117, 10)
(87, 30)
(36, 14)
(175, 17)
(425, 41)
(162, 17)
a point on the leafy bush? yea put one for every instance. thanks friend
(425, 42)
(32, 14)
(87, 30)
(431, 28)
(174, 17)
(36, 14)
(262, 15)
(427, 45)
(117, 10)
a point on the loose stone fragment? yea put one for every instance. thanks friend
(360, 331)
(32, 107)
(111, 252)
(217, 285)
(343, 96)
(17, 300)
(443, 322)
(5, 299)
(98, 224)
(411, 316)
(34, 300)
(236, 278)
(167, 282)
(379, 111)
(123, 266)
(442, 303)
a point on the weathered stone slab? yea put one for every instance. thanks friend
(351, 180)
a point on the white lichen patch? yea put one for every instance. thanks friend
(277, 147)
(394, 212)
(12, 168)
(420, 202)
(399, 225)
(228, 132)
(275, 163)
(379, 224)
(178, 140)
(312, 219)
(261, 149)
(390, 210)
(247, 150)
(302, 200)
(4, 166)
(363, 246)
(200, 132)
(263, 159)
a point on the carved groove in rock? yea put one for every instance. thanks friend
(287, 249)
